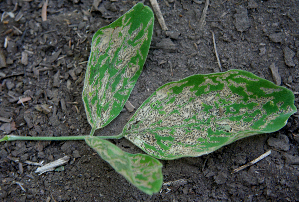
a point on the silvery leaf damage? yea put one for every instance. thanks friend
(118, 53)
(202, 113)
(141, 170)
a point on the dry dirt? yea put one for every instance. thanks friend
(252, 35)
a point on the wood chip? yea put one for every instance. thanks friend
(51, 166)
(73, 74)
(6, 120)
(276, 76)
(44, 108)
(54, 57)
(2, 59)
(63, 106)
(24, 59)
(24, 99)
(44, 11)
(8, 127)
(129, 106)
(56, 81)
(19, 16)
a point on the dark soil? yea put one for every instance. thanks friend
(252, 35)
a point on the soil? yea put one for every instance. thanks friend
(45, 61)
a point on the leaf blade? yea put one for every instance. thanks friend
(141, 170)
(118, 53)
(201, 113)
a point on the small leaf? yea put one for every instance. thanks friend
(118, 53)
(141, 170)
(201, 113)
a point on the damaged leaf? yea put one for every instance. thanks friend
(201, 113)
(118, 53)
(141, 170)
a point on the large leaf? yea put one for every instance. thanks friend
(202, 113)
(118, 53)
(141, 170)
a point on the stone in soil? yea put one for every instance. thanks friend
(288, 56)
(276, 37)
(241, 22)
(166, 44)
(279, 143)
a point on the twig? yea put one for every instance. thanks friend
(252, 162)
(44, 11)
(17, 30)
(204, 164)
(81, 63)
(34, 163)
(176, 182)
(159, 15)
(21, 185)
(202, 20)
(53, 197)
(216, 53)
(12, 75)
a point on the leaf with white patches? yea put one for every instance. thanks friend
(118, 53)
(141, 170)
(201, 113)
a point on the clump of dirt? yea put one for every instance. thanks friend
(43, 62)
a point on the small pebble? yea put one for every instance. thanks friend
(220, 178)
(11, 47)
(167, 44)
(173, 34)
(129, 106)
(290, 159)
(9, 61)
(69, 84)
(288, 57)
(9, 84)
(81, 25)
(262, 51)
(252, 4)
(241, 22)
(279, 143)
(2, 74)
(76, 154)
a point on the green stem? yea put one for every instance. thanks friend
(14, 137)
(92, 131)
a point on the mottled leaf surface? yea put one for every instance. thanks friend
(202, 113)
(118, 53)
(141, 170)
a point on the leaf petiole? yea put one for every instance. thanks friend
(15, 137)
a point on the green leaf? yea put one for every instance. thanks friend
(118, 53)
(201, 113)
(141, 170)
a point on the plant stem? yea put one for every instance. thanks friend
(92, 131)
(15, 137)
